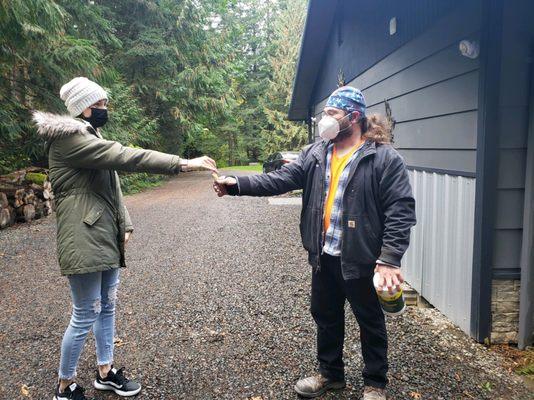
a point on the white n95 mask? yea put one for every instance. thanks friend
(329, 127)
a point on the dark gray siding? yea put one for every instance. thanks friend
(517, 41)
(350, 49)
(432, 89)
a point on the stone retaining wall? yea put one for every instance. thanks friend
(505, 311)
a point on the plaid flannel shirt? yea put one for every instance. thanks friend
(332, 237)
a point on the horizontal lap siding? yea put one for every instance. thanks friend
(453, 132)
(444, 65)
(444, 160)
(518, 37)
(432, 91)
(434, 104)
(452, 96)
(359, 40)
(507, 248)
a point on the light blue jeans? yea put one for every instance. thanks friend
(93, 306)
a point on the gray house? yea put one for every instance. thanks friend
(455, 76)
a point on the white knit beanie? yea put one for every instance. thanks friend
(81, 93)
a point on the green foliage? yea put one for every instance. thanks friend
(134, 183)
(487, 386)
(526, 370)
(37, 55)
(128, 123)
(184, 76)
(35, 177)
(280, 133)
(250, 168)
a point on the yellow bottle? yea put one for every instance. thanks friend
(392, 303)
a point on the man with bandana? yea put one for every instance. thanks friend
(357, 212)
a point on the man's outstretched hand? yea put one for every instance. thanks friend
(220, 185)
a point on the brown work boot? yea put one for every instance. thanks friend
(314, 386)
(374, 393)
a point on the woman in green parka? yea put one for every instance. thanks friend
(93, 224)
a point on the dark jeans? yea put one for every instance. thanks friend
(329, 292)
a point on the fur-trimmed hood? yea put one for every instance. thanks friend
(53, 126)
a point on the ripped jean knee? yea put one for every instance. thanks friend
(109, 299)
(97, 306)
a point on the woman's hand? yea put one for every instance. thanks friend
(199, 164)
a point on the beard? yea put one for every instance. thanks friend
(344, 133)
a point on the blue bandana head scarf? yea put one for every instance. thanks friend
(348, 99)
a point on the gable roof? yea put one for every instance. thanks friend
(319, 21)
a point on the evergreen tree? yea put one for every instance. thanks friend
(184, 76)
(36, 56)
(251, 27)
(280, 133)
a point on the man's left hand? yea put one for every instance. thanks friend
(389, 276)
(127, 237)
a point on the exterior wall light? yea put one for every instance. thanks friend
(393, 26)
(469, 48)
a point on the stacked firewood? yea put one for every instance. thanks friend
(25, 195)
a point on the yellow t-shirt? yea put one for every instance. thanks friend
(337, 165)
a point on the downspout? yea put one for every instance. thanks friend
(486, 167)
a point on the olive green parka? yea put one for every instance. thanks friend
(91, 217)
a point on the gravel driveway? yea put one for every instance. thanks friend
(215, 305)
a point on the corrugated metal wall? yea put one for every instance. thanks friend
(438, 263)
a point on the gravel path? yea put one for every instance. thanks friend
(215, 305)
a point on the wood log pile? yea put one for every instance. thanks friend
(25, 195)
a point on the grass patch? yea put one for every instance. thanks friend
(526, 370)
(251, 168)
(137, 182)
(519, 361)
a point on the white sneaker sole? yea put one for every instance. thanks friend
(122, 393)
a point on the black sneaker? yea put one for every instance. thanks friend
(117, 382)
(71, 392)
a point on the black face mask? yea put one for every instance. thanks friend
(98, 118)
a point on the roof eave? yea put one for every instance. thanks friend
(314, 42)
